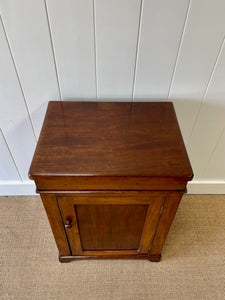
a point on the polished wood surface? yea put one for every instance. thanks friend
(151, 221)
(66, 183)
(52, 210)
(153, 258)
(110, 139)
(168, 213)
(106, 223)
(112, 227)
(111, 177)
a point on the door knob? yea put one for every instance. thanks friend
(68, 223)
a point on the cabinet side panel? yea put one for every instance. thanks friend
(169, 210)
(55, 220)
(151, 222)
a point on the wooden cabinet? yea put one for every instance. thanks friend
(111, 177)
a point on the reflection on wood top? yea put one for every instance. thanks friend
(110, 139)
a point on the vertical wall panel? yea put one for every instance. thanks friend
(72, 27)
(14, 118)
(202, 39)
(211, 119)
(27, 30)
(8, 169)
(161, 29)
(216, 167)
(113, 50)
(116, 39)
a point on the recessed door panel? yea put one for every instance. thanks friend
(110, 227)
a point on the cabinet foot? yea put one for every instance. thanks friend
(64, 259)
(155, 257)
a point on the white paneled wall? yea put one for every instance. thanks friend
(128, 50)
(15, 121)
(8, 170)
(202, 38)
(162, 24)
(27, 30)
(210, 123)
(72, 28)
(116, 33)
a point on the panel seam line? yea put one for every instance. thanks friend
(11, 155)
(95, 50)
(206, 89)
(179, 48)
(53, 50)
(18, 77)
(137, 49)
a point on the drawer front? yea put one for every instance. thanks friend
(67, 183)
(110, 225)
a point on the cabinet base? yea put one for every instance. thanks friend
(153, 258)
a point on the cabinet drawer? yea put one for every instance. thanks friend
(60, 183)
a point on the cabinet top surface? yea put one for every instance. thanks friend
(110, 139)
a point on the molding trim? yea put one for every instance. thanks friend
(19, 188)
(206, 187)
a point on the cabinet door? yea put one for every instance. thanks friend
(110, 225)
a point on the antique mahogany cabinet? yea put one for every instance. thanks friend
(111, 176)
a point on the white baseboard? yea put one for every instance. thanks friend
(14, 188)
(17, 188)
(206, 187)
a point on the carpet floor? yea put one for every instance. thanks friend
(192, 265)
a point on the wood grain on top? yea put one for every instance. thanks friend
(110, 139)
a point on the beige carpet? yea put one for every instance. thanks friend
(192, 266)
